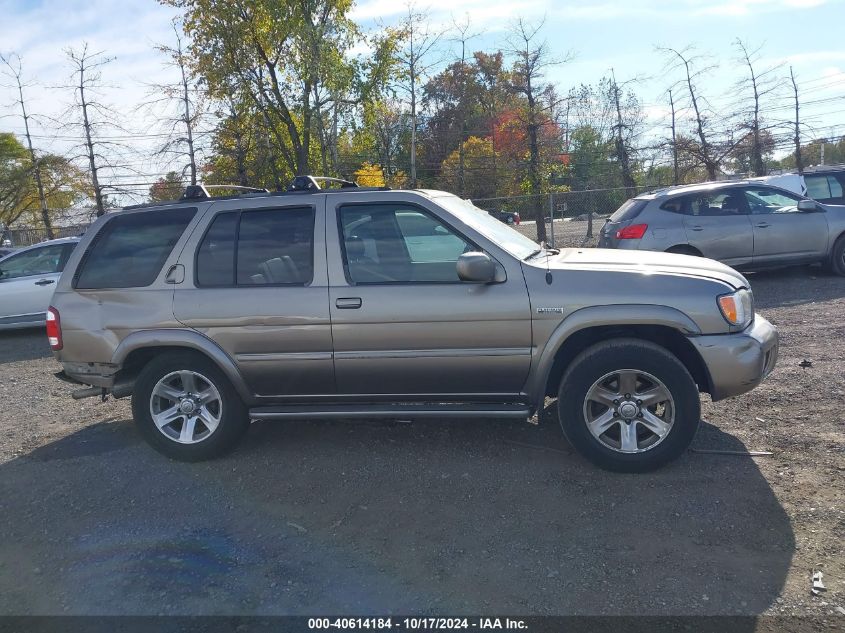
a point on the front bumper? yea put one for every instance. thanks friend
(739, 362)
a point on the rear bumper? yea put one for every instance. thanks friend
(739, 362)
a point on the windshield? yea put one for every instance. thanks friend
(498, 232)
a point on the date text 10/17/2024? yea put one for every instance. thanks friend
(417, 623)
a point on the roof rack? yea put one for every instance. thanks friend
(200, 192)
(299, 186)
(312, 183)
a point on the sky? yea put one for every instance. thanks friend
(594, 35)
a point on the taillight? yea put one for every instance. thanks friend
(516, 219)
(54, 329)
(633, 232)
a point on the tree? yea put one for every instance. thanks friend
(414, 60)
(92, 115)
(472, 167)
(62, 184)
(290, 58)
(168, 187)
(532, 59)
(15, 72)
(623, 133)
(179, 107)
(758, 84)
(705, 149)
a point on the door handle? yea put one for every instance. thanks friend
(763, 225)
(45, 282)
(696, 228)
(348, 303)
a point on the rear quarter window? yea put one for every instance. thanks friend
(629, 210)
(130, 250)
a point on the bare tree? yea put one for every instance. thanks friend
(532, 59)
(674, 142)
(759, 84)
(799, 161)
(462, 37)
(179, 107)
(415, 60)
(88, 112)
(15, 72)
(620, 140)
(706, 151)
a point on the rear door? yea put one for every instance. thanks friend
(28, 280)
(782, 233)
(717, 224)
(256, 285)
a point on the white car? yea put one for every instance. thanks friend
(822, 183)
(27, 280)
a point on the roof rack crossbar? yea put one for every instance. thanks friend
(312, 183)
(201, 192)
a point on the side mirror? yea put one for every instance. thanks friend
(807, 205)
(477, 267)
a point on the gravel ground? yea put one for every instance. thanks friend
(433, 517)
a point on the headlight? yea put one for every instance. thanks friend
(737, 307)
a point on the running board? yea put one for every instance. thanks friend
(391, 411)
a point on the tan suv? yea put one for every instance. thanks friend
(353, 302)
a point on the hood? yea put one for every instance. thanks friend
(643, 262)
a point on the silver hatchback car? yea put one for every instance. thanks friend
(743, 224)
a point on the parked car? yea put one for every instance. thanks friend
(743, 224)
(28, 278)
(508, 217)
(400, 304)
(822, 183)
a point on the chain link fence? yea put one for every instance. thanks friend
(27, 236)
(572, 218)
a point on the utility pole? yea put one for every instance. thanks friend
(674, 141)
(799, 162)
(36, 166)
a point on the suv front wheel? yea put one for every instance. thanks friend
(628, 405)
(186, 408)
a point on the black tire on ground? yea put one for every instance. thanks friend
(234, 417)
(644, 356)
(837, 257)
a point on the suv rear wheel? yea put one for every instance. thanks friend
(186, 408)
(628, 405)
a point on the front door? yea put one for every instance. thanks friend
(717, 224)
(782, 233)
(403, 323)
(27, 282)
(256, 285)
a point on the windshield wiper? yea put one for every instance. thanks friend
(540, 251)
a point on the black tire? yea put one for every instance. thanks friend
(234, 417)
(837, 257)
(643, 356)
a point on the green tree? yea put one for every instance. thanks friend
(168, 187)
(64, 185)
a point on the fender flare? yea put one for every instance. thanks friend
(593, 316)
(184, 338)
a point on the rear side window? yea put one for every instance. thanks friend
(676, 205)
(269, 247)
(130, 250)
(823, 187)
(629, 210)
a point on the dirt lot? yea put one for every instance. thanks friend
(435, 517)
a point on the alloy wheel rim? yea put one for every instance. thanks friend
(629, 411)
(186, 407)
